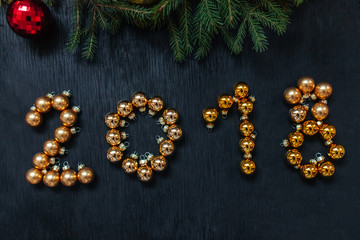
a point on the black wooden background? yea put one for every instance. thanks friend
(202, 195)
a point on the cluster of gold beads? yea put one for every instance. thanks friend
(300, 96)
(46, 166)
(245, 105)
(147, 163)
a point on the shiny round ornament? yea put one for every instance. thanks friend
(113, 137)
(43, 104)
(298, 113)
(28, 18)
(174, 132)
(327, 131)
(306, 84)
(33, 176)
(68, 177)
(210, 115)
(33, 118)
(68, 117)
(296, 139)
(336, 151)
(167, 148)
(247, 145)
(247, 166)
(40, 160)
(85, 175)
(155, 105)
(327, 169)
(293, 157)
(112, 120)
(246, 128)
(310, 127)
(51, 178)
(241, 90)
(51, 147)
(225, 102)
(124, 108)
(114, 154)
(245, 107)
(139, 100)
(129, 165)
(60, 102)
(308, 171)
(170, 116)
(292, 95)
(144, 173)
(320, 111)
(62, 134)
(323, 90)
(158, 163)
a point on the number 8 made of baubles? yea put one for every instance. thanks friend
(301, 97)
(46, 165)
(145, 164)
(245, 105)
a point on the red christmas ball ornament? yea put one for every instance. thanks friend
(28, 18)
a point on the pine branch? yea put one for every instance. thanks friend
(185, 27)
(257, 35)
(90, 45)
(75, 36)
(164, 8)
(270, 21)
(239, 39)
(175, 42)
(229, 9)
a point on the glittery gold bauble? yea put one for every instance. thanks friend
(51, 147)
(166, 148)
(139, 100)
(33, 176)
(310, 127)
(327, 131)
(306, 84)
(156, 104)
(114, 154)
(129, 165)
(144, 173)
(296, 139)
(170, 116)
(293, 157)
(247, 166)
(33, 118)
(174, 132)
(292, 95)
(68, 177)
(210, 115)
(51, 178)
(246, 128)
(225, 102)
(327, 169)
(336, 151)
(245, 107)
(158, 163)
(40, 160)
(247, 144)
(320, 111)
(62, 134)
(85, 175)
(113, 137)
(298, 113)
(60, 102)
(323, 90)
(241, 90)
(43, 104)
(112, 120)
(68, 117)
(308, 171)
(124, 108)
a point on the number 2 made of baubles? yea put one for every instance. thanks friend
(245, 105)
(46, 164)
(145, 164)
(300, 98)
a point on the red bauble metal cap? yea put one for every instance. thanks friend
(28, 18)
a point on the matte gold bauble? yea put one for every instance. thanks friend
(68, 117)
(68, 177)
(310, 127)
(292, 95)
(296, 139)
(320, 111)
(323, 90)
(51, 178)
(144, 173)
(166, 148)
(158, 163)
(293, 157)
(33, 118)
(113, 137)
(247, 166)
(241, 90)
(33, 176)
(327, 131)
(60, 102)
(112, 120)
(43, 104)
(247, 145)
(85, 175)
(306, 84)
(62, 134)
(308, 171)
(336, 151)
(327, 169)
(129, 165)
(246, 128)
(114, 154)
(51, 147)
(40, 160)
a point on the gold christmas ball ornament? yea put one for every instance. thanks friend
(129, 165)
(51, 178)
(245, 107)
(33, 176)
(293, 157)
(62, 134)
(155, 105)
(247, 166)
(210, 115)
(144, 173)
(174, 132)
(170, 116)
(68, 117)
(167, 148)
(139, 100)
(306, 84)
(327, 131)
(41, 160)
(51, 147)
(298, 113)
(124, 108)
(33, 118)
(225, 102)
(68, 177)
(113, 137)
(327, 169)
(85, 175)
(308, 171)
(310, 127)
(296, 139)
(43, 104)
(158, 163)
(292, 95)
(241, 90)
(246, 128)
(320, 111)
(247, 145)
(112, 120)
(60, 102)
(336, 151)
(323, 90)
(114, 154)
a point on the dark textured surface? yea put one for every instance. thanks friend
(202, 195)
